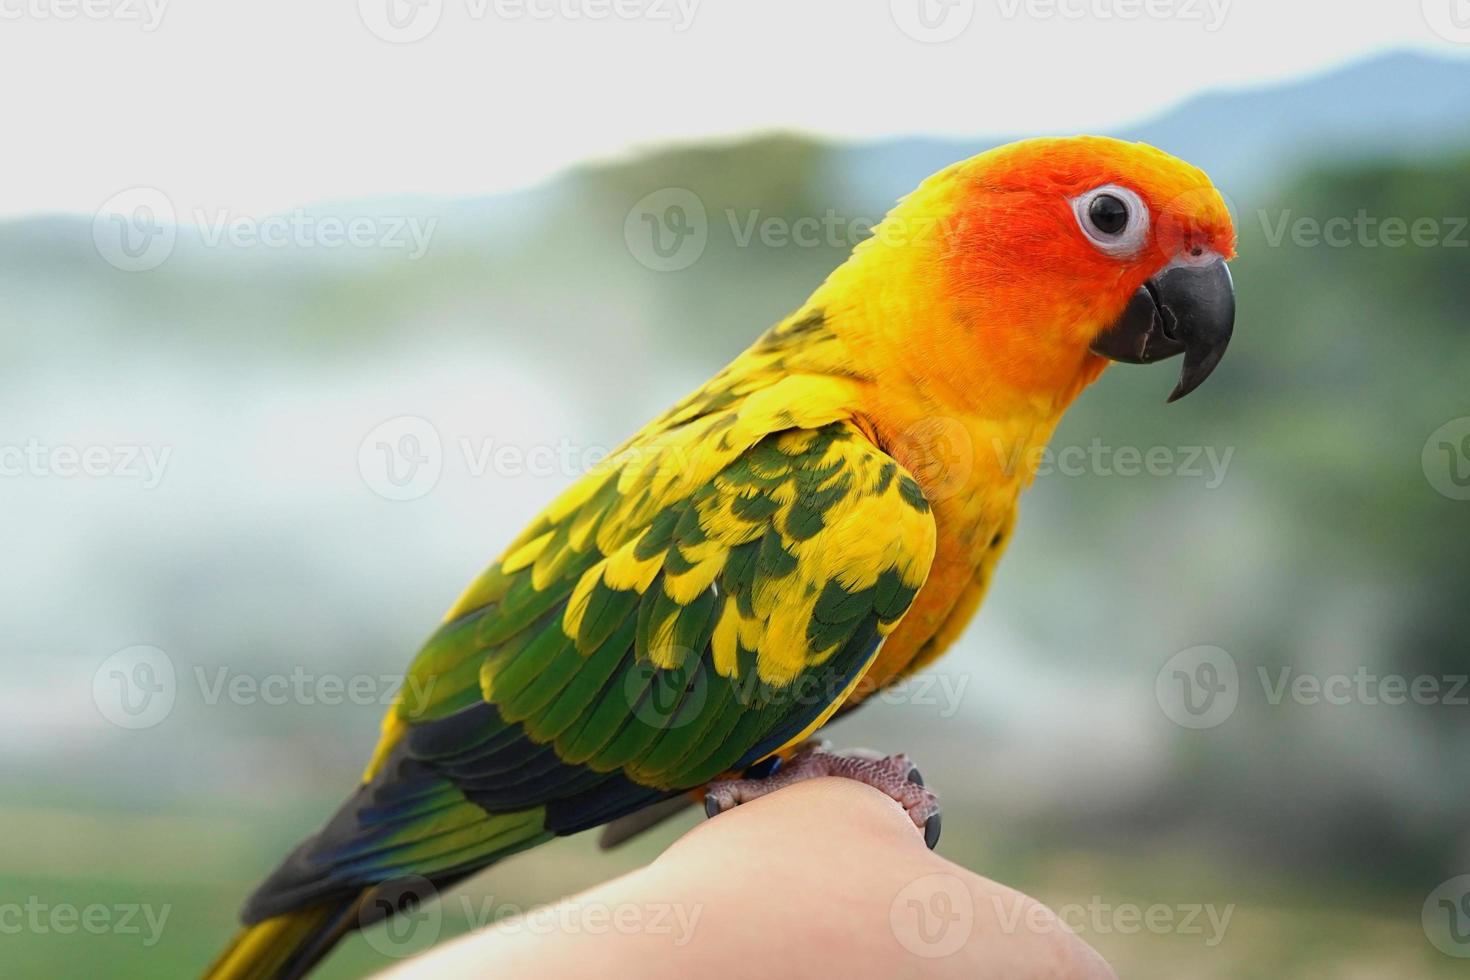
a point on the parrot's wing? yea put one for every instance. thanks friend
(655, 628)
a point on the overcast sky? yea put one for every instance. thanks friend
(263, 105)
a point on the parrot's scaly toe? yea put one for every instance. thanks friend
(893, 775)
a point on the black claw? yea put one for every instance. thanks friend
(916, 777)
(931, 831)
(711, 807)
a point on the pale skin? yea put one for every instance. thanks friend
(826, 877)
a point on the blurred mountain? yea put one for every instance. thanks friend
(1391, 107)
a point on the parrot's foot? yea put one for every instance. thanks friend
(893, 775)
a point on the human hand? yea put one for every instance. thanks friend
(824, 878)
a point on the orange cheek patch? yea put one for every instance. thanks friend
(1026, 276)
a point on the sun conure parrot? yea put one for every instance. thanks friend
(781, 544)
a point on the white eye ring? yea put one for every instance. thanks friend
(1122, 244)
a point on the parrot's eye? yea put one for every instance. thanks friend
(1108, 214)
(1113, 218)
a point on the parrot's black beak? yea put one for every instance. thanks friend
(1186, 309)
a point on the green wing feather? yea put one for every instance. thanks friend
(707, 615)
(706, 597)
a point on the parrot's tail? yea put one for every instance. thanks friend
(287, 946)
(394, 846)
(305, 907)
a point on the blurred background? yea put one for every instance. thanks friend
(306, 313)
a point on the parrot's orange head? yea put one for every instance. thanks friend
(1055, 256)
